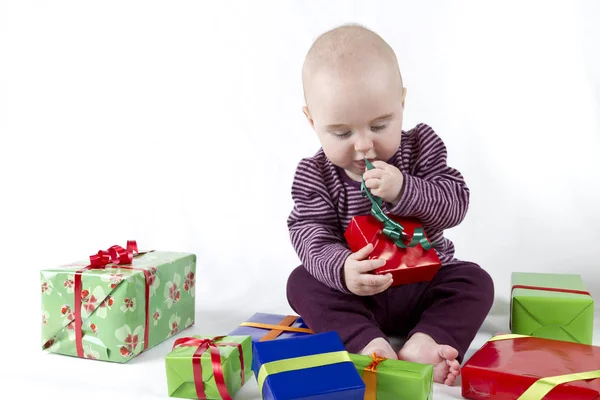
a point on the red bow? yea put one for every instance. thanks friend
(215, 356)
(114, 255)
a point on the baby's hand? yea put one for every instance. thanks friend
(357, 277)
(384, 181)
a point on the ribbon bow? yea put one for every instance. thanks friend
(114, 255)
(370, 377)
(376, 360)
(391, 228)
(215, 356)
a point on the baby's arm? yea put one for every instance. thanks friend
(433, 192)
(314, 229)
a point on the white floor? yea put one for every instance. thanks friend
(49, 376)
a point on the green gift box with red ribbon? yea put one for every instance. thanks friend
(201, 367)
(551, 306)
(118, 303)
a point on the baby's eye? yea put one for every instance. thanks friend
(343, 135)
(378, 128)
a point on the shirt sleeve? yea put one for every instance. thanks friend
(314, 227)
(433, 191)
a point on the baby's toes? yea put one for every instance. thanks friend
(454, 367)
(441, 372)
(450, 380)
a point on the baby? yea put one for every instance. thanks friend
(355, 102)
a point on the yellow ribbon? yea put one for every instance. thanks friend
(506, 337)
(304, 362)
(370, 377)
(543, 386)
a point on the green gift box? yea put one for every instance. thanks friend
(551, 306)
(201, 367)
(128, 302)
(387, 379)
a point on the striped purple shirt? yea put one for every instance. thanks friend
(326, 199)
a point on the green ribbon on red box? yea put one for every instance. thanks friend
(391, 228)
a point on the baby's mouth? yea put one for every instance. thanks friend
(361, 163)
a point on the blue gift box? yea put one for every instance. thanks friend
(315, 367)
(258, 333)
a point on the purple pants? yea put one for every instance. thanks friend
(451, 308)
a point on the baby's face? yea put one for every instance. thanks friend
(357, 118)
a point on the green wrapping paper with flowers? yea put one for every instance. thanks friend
(201, 367)
(117, 304)
(387, 379)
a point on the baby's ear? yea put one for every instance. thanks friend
(308, 116)
(403, 96)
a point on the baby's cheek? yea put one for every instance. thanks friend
(388, 148)
(334, 153)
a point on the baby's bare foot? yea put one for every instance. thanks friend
(421, 348)
(381, 347)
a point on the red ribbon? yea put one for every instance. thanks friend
(547, 289)
(114, 255)
(215, 356)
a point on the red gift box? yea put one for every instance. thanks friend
(408, 265)
(508, 365)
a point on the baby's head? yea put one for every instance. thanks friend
(354, 97)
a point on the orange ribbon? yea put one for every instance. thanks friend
(370, 377)
(276, 330)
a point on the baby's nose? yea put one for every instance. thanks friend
(363, 145)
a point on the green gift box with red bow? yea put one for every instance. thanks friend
(202, 367)
(118, 303)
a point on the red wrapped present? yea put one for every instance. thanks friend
(518, 367)
(407, 264)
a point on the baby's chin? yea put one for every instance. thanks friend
(354, 173)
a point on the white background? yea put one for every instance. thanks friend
(179, 124)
